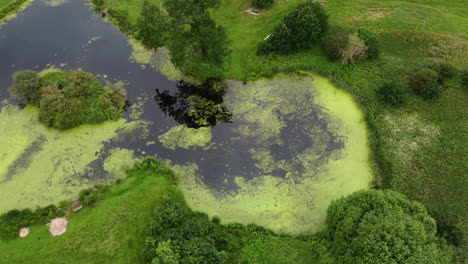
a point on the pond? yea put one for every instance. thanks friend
(293, 143)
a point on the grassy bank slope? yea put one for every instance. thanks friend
(113, 230)
(9, 7)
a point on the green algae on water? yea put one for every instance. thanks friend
(55, 3)
(306, 128)
(119, 160)
(185, 137)
(39, 166)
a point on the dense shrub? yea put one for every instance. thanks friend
(370, 39)
(300, 29)
(262, 3)
(392, 93)
(177, 235)
(354, 51)
(12, 221)
(333, 42)
(445, 71)
(425, 84)
(25, 88)
(382, 227)
(78, 99)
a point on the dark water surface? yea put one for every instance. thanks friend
(41, 36)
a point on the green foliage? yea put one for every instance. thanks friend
(299, 30)
(25, 87)
(12, 221)
(445, 71)
(425, 84)
(334, 42)
(98, 5)
(177, 235)
(370, 39)
(392, 93)
(120, 17)
(262, 3)
(77, 97)
(152, 27)
(382, 227)
(198, 47)
(10, 7)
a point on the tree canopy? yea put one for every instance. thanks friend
(300, 29)
(382, 227)
(198, 46)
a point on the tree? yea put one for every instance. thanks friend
(425, 84)
(354, 51)
(152, 27)
(198, 47)
(392, 93)
(300, 29)
(25, 88)
(382, 227)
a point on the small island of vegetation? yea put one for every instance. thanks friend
(68, 99)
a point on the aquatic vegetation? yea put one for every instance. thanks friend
(54, 3)
(39, 166)
(185, 137)
(118, 161)
(321, 158)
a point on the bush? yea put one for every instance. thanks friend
(300, 29)
(392, 93)
(425, 84)
(177, 235)
(262, 3)
(333, 42)
(354, 51)
(77, 97)
(445, 71)
(25, 88)
(370, 39)
(382, 227)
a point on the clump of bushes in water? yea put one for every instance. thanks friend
(12, 221)
(262, 3)
(10, 7)
(68, 99)
(299, 30)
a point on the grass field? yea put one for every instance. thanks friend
(113, 230)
